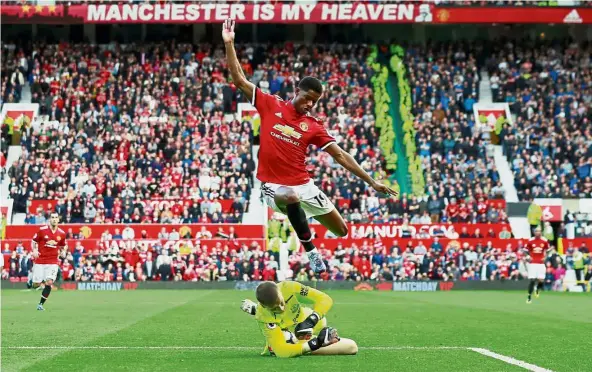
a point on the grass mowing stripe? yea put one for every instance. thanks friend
(57, 351)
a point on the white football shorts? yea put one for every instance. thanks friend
(536, 271)
(42, 272)
(313, 201)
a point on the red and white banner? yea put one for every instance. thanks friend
(26, 232)
(18, 115)
(337, 12)
(48, 205)
(253, 13)
(552, 213)
(356, 231)
(487, 115)
(360, 231)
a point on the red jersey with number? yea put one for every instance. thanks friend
(537, 248)
(50, 243)
(284, 139)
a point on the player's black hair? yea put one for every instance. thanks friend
(267, 293)
(311, 83)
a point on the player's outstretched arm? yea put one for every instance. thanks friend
(349, 163)
(249, 307)
(238, 77)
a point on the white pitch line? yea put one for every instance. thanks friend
(214, 347)
(510, 360)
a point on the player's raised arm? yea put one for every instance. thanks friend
(238, 77)
(349, 163)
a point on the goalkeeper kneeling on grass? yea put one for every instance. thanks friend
(290, 328)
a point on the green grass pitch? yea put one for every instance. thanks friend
(205, 330)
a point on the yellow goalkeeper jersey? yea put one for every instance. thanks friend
(272, 323)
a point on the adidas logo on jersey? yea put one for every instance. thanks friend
(573, 17)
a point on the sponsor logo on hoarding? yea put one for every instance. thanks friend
(446, 286)
(573, 17)
(415, 286)
(100, 286)
(364, 287)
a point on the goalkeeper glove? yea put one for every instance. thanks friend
(304, 329)
(327, 336)
(249, 307)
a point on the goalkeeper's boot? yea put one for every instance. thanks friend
(316, 261)
(40, 307)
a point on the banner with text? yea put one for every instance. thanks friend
(134, 231)
(338, 12)
(360, 231)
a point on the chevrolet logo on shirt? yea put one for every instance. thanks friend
(287, 131)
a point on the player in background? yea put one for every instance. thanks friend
(536, 248)
(49, 243)
(290, 329)
(287, 129)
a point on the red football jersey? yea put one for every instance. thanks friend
(284, 139)
(453, 210)
(50, 244)
(537, 248)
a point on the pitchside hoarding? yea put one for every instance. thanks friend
(398, 286)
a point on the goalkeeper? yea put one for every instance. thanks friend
(290, 329)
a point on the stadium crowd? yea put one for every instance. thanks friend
(155, 124)
(153, 121)
(547, 85)
(118, 125)
(368, 260)
(444, 84)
